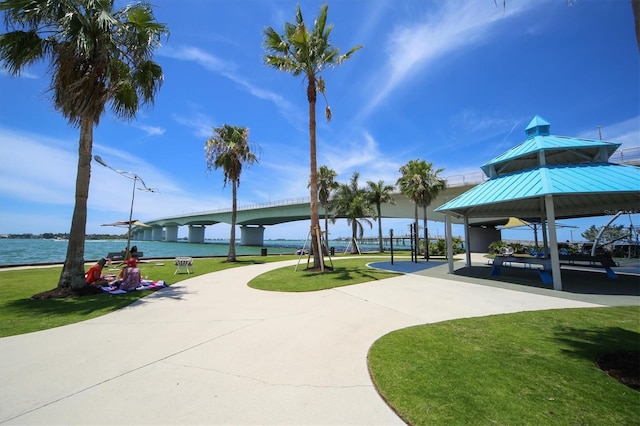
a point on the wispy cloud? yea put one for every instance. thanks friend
(44, 168)
(230, 71)
(200, 124)
(23, 74)
(151, 130)
(414, 46)
(626, 132)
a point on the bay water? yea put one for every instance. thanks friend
(46, 251)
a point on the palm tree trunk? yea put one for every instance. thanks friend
(72, 275)
(354, 236)
(380, 228)
(231, 256)
(426, 234)
(416, 236)
(326, 227)
(313, 181)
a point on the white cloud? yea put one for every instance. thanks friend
(23, 74)
(41, 174)
(200, 124)
(151, 130)
(414, 46)
(229, 70)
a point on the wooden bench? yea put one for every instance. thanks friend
(118, 256)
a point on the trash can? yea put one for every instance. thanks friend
(332, 250)
(263, 251)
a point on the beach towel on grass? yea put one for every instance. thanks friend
(144, 285)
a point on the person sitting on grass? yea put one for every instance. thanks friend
(94, 274)
(131, 278)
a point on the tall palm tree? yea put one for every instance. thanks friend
(420, 183)
(305, 53)
(351, 202)
(228, 149)
(326, 186)
(97, 56)
(378, 193)
(434, 185)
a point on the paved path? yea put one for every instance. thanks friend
(210, 350)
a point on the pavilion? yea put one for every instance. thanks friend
(544, 178)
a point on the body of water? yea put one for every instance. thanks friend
(41, 251)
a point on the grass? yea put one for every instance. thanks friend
(524, 368)
(345, 272)
(20, 314)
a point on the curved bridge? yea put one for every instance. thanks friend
(253, 218)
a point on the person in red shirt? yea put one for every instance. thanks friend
(94, 274)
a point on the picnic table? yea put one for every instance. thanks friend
(542, 265)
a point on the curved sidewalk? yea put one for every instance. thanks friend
(210, 350)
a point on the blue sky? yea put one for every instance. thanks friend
(453, 83)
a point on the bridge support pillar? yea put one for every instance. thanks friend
(171, 233)
(196, 234)
(251, 236)
(156, 233)
(147, 235)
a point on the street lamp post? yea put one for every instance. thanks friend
(135, 178)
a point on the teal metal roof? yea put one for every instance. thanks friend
(538, 126)
(541, 148)
(558, 150)
(579, 190)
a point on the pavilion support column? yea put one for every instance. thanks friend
(555, 257)
(543, 225)
(449, 238)
(467, 241)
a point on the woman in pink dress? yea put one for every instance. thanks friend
(131, 278)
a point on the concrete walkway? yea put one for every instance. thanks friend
(210, 350)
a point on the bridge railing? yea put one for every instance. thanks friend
(453, 180)
(465, 179)
(627, 156)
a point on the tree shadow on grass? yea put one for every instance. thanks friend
(86, 305)
(615, 350)
(588, 343)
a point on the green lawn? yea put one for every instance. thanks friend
(20, 314)
(534, 368)
(524, 368)
(345, 272)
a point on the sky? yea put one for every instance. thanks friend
(452, 83)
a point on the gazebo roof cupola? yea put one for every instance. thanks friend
(538, 127)
(541, 148)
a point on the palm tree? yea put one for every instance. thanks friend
(351, 202)
(326, 186)
(434, 185)
(229, 148)
(378, 193)
(305, 53)
(420, 183)
(97, 55)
